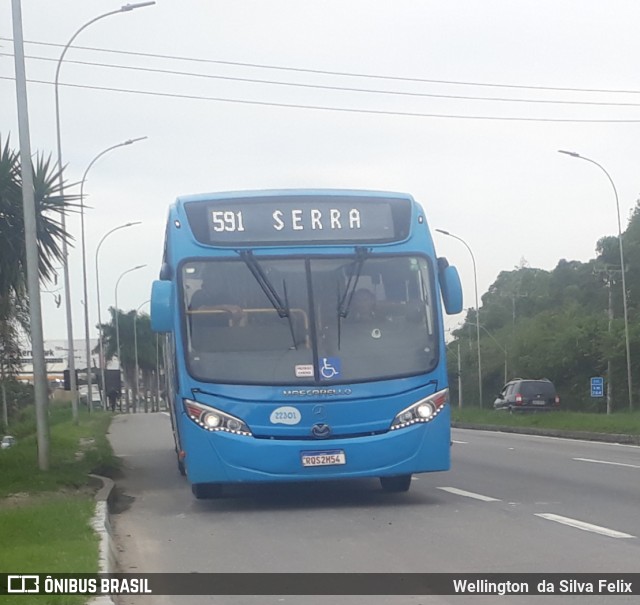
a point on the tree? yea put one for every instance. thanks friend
(555, 324)
(49, 209)
(147, 351)
(14, 304)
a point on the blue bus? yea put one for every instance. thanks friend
(304, 337)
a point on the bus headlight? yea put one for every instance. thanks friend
(213, 419)
(422, 411)
(425, 410)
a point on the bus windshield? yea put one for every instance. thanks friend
(309, 320)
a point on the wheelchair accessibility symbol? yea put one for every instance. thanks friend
(330, 368)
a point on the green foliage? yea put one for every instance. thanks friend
(52, 534)
(622, 423)
(145, 336)
(50, 205)
(19, 392)
(554, 324)
(19, 396)
(45, 517)
(76, 451)
(149, 356)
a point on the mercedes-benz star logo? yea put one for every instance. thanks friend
(319, 411)
(321, 430)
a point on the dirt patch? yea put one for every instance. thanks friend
(24, 499)
(119, 501)
(110, 470)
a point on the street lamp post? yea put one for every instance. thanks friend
(118, 324)
(459, 378)
(63, 222)
(157, 372)
(100, 339)
(475, 283)
(573, 154)
(135, 353)
(84, 258)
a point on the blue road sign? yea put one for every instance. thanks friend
(597, 386)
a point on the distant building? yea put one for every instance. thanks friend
(56, 356)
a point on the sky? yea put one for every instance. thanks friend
(462, 104)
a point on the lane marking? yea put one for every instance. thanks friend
(596, 529)
(461, 492)
(461, 442)
(607, 462)
(506, 433)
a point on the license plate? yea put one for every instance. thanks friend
(539, 402)
(329, 458)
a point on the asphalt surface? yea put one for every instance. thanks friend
(511, 503)
(563, 433)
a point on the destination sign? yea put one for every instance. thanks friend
(292, 219)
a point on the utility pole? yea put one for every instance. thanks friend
(31, 245)
(5, 409)
(610, 314)
(623, 268)
(459, 379)
(607, 274)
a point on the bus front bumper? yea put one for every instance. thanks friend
(226, 458)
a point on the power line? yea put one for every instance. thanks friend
(333, 88)
(340, 109)
(334, 73)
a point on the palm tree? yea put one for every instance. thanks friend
(50, 205)
(146, 346)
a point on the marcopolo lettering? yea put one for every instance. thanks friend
(313, 392)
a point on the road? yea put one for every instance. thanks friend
(511, 503)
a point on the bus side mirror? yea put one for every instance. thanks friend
(162, 306)
(451, 289)
(166, 272)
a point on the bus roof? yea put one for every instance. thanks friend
(258, 193)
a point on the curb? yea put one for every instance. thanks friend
(102, 526)
(583, 435)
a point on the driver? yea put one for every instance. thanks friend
(363, 305)
(212, 297)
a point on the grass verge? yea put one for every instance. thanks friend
(45, 515)
(75, 451)
(623, 423)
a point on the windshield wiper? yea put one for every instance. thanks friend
(344, 302)
(281, 306)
